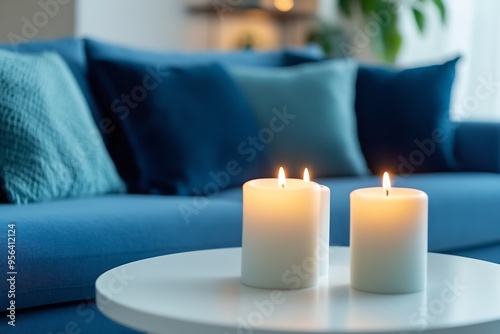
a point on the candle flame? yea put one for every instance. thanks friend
(386, 183)
(306, 175)
(281, 178)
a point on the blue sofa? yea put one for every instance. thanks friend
(62, 246)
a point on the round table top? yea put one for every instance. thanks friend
(200, 292)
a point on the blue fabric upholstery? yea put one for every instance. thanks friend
(72, 50)
(63, 246)
(186, 134)
(477, 146)
(80, 317)
(403, 118)
(49, 144)
(308, 112)
(464, 208)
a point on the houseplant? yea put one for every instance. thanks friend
(387, 14)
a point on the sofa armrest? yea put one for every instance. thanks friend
(477, 146)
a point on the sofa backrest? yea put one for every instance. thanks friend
(287, 57)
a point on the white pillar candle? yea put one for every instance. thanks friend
(389, 239)
(280, 233)
(324, 228)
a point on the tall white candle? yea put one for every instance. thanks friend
(389, 239)
(280, 233)
(324, 228)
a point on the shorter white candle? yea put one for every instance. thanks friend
(324, 228)
(280, 233)
(389, 239)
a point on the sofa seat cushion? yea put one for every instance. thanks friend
(464, 210)
(63, 246)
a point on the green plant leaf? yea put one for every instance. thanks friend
(387, 44)
(325, 35)
(392, 41)
(345, 7)
(419, 19)
(369, 6)
(442, 10)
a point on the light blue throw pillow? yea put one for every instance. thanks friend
(49, 145)
(306, 115)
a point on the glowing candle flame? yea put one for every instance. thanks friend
(306, 175)
(281, 178)
(386, 183)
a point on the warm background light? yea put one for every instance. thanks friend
(283, 5)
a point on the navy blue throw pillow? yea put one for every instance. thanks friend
(189, 127)
(101, 83)
(403, 118)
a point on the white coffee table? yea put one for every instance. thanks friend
(200, 292)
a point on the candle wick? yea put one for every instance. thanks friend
(283, 186)
(387, 192)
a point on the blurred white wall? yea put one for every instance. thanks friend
(36, 19)
(167, 24)
(151, 24)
